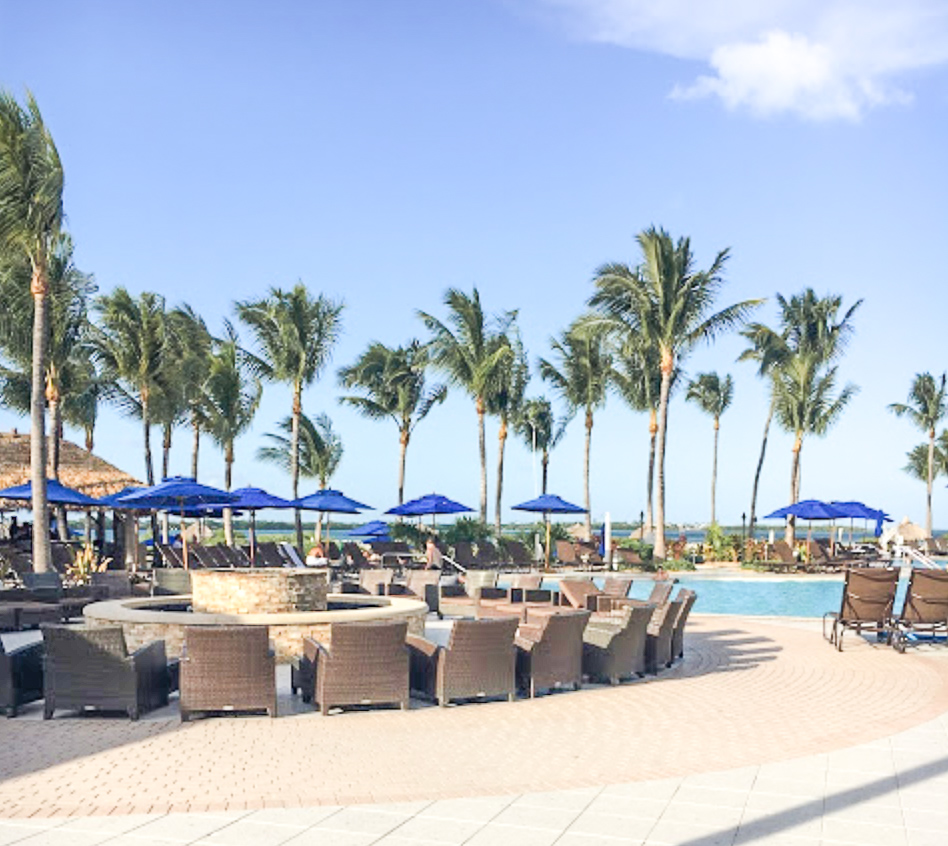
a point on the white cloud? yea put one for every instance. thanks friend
(817, 59)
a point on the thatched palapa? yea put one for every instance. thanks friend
(78, 469)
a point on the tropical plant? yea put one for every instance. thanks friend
(713, 395)
(466, 530)
(926, 408)
(296, 334)
(318, 453)
(391, 382)
(917, 459)
(806, 403)
(473, 353)
(31, 215)
(581, 377)
(505, 401)
(232, 396)
(667, 303)
(540, 430)
(808, 325)
(129, 346)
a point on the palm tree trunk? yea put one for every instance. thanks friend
(165, 449)
(714, 471)
(55, 441)
(589, 431)
(794, 488)
(228, 512)
(149, 470)
(195, 447)
(650, 482)
(295, 458)
(90, 438)
(403, 438)
(545, 464)
(39, 288)
(931, 478)
(501, 442)
(760, 466)
(668, 364)
(482, 450)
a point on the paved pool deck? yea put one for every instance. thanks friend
(764, 734)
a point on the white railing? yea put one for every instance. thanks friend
(917, 557)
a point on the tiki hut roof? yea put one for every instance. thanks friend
(77, 468)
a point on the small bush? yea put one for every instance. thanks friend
(465, 529)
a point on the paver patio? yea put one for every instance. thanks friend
(764, 735)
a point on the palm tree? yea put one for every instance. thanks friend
(191, 349)
(232, 396)
(581, 378)
(130, 348)
(917, 464)
(505, 401)
(806, 403)
(296, 334)
(540, 430)
(713, 395)
(808, 324)
(667, 302)
(391, 382)
(473, 356)
(31, 215)
(926, 408)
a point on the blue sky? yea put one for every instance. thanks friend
(382, 152)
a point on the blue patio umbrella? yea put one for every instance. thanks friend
(808, 509)
(432, 504)
(328, 501)
(549, 504)
(252, 500)
(56, 493)
(863, 512)
(370, 529)
(175, 494)
(114, 500)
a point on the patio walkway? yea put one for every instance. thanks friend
(709, 753)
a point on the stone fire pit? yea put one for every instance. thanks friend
(259, 591)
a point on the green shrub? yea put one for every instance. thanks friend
(465, 529)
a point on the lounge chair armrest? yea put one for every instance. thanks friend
(416, 643)
(599, 635)
(528, 631)
(312, 649)
(524, 644)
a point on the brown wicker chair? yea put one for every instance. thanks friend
(227, 668)
(376, 582)
(582, 593)
(420, 584)
(478, 662)
(170, 581)
(112, 584)
(550, 652)
(868, 597)
(8, 621)
(661, 631)
(91, 668)
(926, 607)
(566, 553)
(21, 676)
(614, 649)
(462, 600)
(364, 664)
(688, 599)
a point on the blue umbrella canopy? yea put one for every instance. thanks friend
(114, 500)
(251, 499)
(56, 493)
(177, 492)
(808, 509)
(370, 529)
(550, 504)
(860, 511)
(429, 504)
(330, 500)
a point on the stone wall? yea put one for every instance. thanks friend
(259, 591)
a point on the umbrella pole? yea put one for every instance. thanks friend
(184, 538)
(547, 569)
(253, 538)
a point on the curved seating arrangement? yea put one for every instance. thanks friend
(614, 649)
(550, 651)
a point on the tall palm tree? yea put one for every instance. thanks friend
(668, 302)
(391, 385)
(808, 325)
(581, 377)
(917, 464)
(190, 363)
(31, 215)
(806, 403)
(540, 430)
(505, 401)
(296, 334)
(473, 354)
(130, 348)
(926, 408)
(713, 395)
(232, 396)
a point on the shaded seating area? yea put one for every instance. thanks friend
(479, 661)
(227, 668)
(92, 668)
(867, 603)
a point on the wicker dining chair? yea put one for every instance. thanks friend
(614, 648)
(550, 652)
(21, 676)
(227, 668)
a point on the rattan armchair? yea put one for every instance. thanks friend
(550, 652)
(614, 648)
(21, 676)
(92, 668)
(478, 662)
(363, 664)
(659, 644)
(227, 668)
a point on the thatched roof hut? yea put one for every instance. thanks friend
(77, 468)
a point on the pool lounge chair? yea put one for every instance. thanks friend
(614, 649)
(464, 556)
(550, 652)
(787, 560)
(566, 553)
(517, 554)
(868, 597)
(583, 593)
(925, 611)
(479, 661)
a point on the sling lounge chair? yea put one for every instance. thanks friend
(868, 597)
(926, 607)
